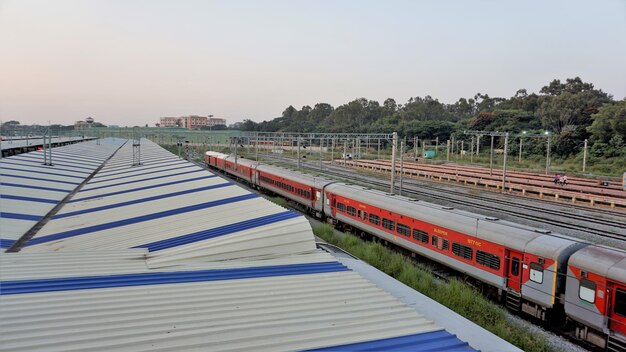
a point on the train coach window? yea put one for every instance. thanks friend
(620, 302)
(587, 291)
(375, 219)
(404, 230)
(351, 211)
(388, 224)
(489, 260)
(341, 207)
(536, 273)
(515, 266)
(462, 251)
(420, 236)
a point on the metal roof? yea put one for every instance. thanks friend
(29, 189)
(168, 256)
(10, 143)
(174, 208)
(309, 301)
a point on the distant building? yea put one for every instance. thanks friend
(81, 125)
(194, 122)
(169, 121)
(215, 121)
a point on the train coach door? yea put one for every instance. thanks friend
(617, 313)
(514, 270)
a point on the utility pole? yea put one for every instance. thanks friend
(436, 146)
(462, 148)
(401, 166)
(548, 152)
(491, 158)
(416, 145)
(448, 150)
(506, 147)
(298, 153)
(585, 156)
(256, 147)
(472, 151)
(321, 155)
(345, 152)
(393, 161)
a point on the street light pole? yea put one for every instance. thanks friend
(547, 152)
(401, 166)
(506, 146)
(521, 141)
(491, 158)
(585, 156)
(393, 162)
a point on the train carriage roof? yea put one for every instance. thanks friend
(242, 161)
(306, 179)
(514, 236)
(608, 262)
(215, 154)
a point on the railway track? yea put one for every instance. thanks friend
(610, 225)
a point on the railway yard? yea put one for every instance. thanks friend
(106, 226)
(584, 224)
(102, 252)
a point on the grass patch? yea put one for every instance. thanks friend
(278, 200)
(454, 294)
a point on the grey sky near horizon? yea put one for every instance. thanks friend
(131, 62)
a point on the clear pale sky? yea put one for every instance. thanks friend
(130, 62)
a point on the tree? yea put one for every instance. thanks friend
(609, 121)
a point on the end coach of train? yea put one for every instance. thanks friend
(552, 277)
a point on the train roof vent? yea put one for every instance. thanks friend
(491, 218)
(543, 231)
(447, 208)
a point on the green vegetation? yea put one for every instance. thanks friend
(570, 111)
(454, 294)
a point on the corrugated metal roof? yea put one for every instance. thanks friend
(175, 209)
(29, 189)
(10, 143)
(253, 305)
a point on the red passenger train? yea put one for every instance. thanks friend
(549, 276)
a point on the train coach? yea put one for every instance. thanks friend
(525, 268)
(549, 276)
(595, 297)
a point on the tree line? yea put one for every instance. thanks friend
(571, 111)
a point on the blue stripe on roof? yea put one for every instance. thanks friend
(161, 278)
(57, 157)
(42, 172)
(142, 180)
(5, 244)
(104, 173)
(219, 231)
(34, 187)
(29, 199)
(440, 340)
(56, 163)
(137, 219)
(142, 200)
(146, 160)
(40, 179)
(17, 216)
(143, 188)
(45, 167)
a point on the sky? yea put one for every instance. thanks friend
(129, 62)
